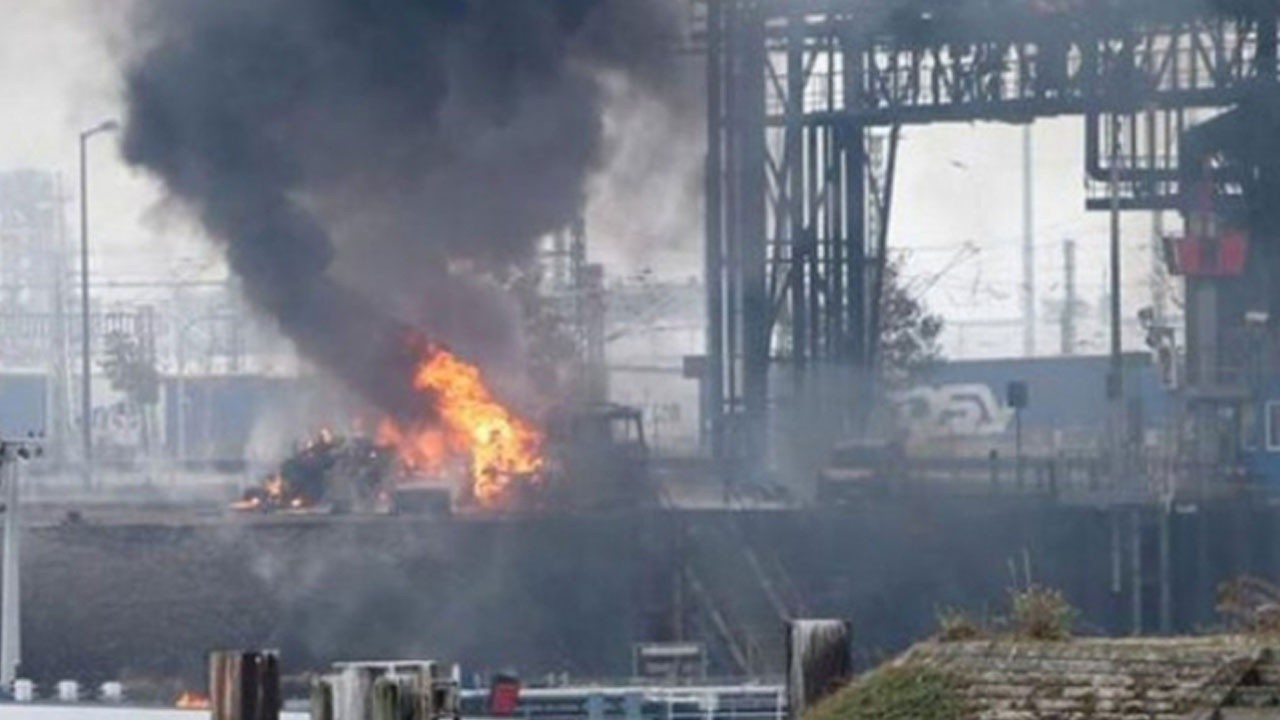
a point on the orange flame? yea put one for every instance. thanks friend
(189, 700)
(274, 487)
(502, 448)
(424, 451)
(272, 494)
(246, 504)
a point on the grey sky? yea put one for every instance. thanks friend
(957, 184)
(58, 76)
(963, 183)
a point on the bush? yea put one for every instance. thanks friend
(1041, 614)
(955, 625)
(1251, 605)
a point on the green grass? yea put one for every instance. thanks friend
(894, 693)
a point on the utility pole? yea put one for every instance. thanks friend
(1028, 247)
(86, 389)
(62, 397)
(1158, 275)
(1159, 296)
(86, 378)
(1069, 301)
(1115, 379)
(713, 378)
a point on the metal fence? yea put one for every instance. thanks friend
(627, 702)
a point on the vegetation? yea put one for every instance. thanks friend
(1251, 605)
(909, 333)
(894, 693)
(1041, 613)
(955, 625)
(131, 368)
(1035, 613)
(914, 692)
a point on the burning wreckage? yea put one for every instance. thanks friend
(476, 454)
(328, 472)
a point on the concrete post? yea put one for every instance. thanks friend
(818, 661)
(1136, 569)
(322, 700)
(11, 595)
(386, 699)
(1166, 570)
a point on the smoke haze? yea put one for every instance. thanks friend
(377, 167)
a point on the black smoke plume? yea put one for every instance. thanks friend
(375, 167)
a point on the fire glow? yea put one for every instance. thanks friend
(274, 493)
(502, 449)
(189, 700)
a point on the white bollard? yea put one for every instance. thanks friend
(112, 692)
(24, 691)
(68, 691)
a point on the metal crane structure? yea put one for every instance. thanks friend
(805, 99)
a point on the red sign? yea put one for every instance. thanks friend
(1222, 256)
(504, 696)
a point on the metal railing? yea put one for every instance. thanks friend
(641, 702)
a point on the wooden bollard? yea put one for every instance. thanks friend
(818, 661)
(244, 685)
(224, 684)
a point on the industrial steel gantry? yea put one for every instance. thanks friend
(804, 101)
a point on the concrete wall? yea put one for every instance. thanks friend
(573, 593)
(151, 600)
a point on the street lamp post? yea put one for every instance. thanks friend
(86, 396)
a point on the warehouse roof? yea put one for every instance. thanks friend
(1085, 679)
